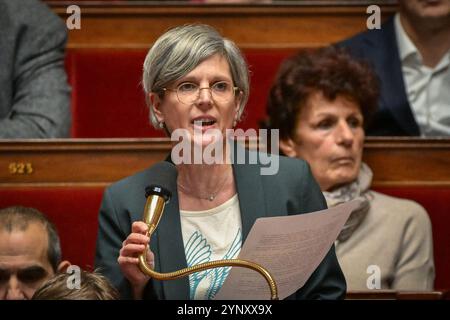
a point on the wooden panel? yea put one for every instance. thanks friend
(396, 295)
(77, 161)
(138, 25)
(395, 161)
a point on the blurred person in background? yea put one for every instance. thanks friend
(34, 93)
(30, 252)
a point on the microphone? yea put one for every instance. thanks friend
(164, 182)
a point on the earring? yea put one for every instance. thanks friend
(161, 124)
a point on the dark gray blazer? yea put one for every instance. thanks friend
(394, 116)
(34, 94)
(292, 190)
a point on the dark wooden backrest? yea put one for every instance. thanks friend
(123, 24)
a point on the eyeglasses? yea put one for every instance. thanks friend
(221, 92)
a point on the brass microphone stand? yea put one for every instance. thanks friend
(153, 210)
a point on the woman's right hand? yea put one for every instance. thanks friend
(133, 246)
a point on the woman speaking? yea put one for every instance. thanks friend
(197, 81)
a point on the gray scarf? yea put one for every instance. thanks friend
(358, 189)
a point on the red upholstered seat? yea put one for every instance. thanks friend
(436, 202)
(108, 99)
(73, 210)
(263, 66)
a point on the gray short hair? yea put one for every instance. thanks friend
(180, 50)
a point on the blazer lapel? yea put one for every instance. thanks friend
(383, 50)
(171, 255)
(168, 244)
(251, 195)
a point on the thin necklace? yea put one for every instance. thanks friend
(210, 196)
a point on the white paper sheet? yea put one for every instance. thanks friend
(289, 247)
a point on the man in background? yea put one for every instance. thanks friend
(411, 55)
(30, 252)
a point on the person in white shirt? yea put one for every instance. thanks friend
(411, 55)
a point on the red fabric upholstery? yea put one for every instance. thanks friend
(74, 212)
(436, 202)
(263, 65)
(108, 99)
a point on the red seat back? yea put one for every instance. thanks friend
(263, 65)
(108, 99)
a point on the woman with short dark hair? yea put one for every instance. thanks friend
(320, 102)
